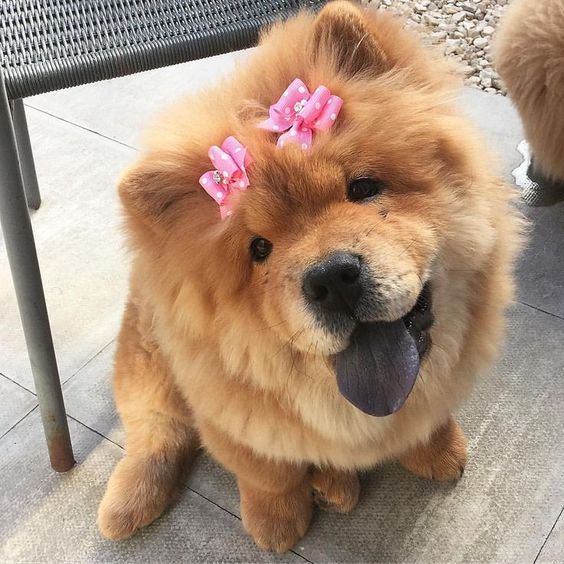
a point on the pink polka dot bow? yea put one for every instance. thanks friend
(302, 113)
(230, 173)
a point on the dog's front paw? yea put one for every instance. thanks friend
(443, 458)
(335, 490)
(276, 522)
(138, 492)
(120, 520)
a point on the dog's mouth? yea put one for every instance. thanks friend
(377, 371)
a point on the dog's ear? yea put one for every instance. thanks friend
(154, 193)
(342, 35)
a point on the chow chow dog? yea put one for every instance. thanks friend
(529, 52)
(336, 312)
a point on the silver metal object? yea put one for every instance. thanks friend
(22, 256)
(25, 153)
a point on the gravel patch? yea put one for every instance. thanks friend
(464, 29)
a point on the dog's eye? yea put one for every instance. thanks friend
(364, 188)
(260, 249)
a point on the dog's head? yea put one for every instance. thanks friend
(344, 236)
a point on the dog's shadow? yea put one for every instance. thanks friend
(394, 511)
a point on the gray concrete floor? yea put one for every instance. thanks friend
(508, 507)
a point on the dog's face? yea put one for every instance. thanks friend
(335, 237)
(345, 235)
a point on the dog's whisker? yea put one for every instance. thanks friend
(268, 327)
(406, 249)
(289, 342)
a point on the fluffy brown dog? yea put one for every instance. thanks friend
(530, 59)
(241, 334)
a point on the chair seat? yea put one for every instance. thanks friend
(53, 44)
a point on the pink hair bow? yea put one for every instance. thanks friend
(230, 175)
(302, 113)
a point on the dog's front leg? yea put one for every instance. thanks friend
(276, 497)
(161, 439)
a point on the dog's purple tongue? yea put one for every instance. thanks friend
(378, 370)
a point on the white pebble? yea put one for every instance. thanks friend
(465, 29)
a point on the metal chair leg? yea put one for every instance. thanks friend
(25, 153)
(22, 255)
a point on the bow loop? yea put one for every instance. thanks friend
(299, 114)
(284, 112)
(230, 174)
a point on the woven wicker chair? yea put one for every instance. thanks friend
(52, 44)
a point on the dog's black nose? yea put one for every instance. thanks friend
(334, 284)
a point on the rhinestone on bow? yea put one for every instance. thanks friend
(299, 106)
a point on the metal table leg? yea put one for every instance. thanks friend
(27, 165)
(22, 255)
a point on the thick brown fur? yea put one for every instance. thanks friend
(529, 55)
(219, 347)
